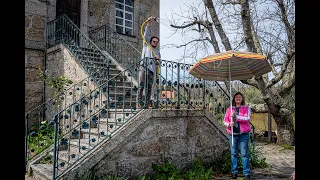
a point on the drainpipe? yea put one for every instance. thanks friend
(45, 54)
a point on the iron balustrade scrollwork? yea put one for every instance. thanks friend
(92, 119)
(71, 124)
(106, 38)
(87, 53)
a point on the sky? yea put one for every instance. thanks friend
(173, 53)
(167, 7)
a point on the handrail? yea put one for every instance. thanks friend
(105, 26)
(100, 101)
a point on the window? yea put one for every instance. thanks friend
(124, 17)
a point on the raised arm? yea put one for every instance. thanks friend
(146, 35)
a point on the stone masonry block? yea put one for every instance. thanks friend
(38, 22)
(33, 88)
(33, 62)
(34, 34)
(26, 21)
(32, 75)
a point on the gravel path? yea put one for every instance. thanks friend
(280, 160)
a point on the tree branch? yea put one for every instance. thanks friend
(191, 42)
(281, 73)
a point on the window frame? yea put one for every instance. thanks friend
(124, 18)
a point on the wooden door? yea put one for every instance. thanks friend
(64, 32)
(71, 8)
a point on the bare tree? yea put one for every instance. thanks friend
(264, 26)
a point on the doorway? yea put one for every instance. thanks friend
(71, 8)
(65, 32)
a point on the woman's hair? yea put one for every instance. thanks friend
(234, 102)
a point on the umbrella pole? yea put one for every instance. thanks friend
(230, 103)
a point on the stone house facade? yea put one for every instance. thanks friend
(125, 16)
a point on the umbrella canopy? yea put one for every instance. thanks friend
(243, 66)
(231, 65)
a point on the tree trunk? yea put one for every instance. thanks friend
(285, 131)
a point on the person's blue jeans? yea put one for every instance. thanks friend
(240, 143)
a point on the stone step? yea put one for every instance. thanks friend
(93, 59)
(100, 132)
(117, 83)
(118, 113)
(122, 89)
(98, 63)
(42, 171)
(104, 69)
(124, 95)
(115, 105)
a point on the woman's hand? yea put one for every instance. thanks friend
(231, 124)
(231, 114)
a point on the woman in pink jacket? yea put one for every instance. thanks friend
(239, 120)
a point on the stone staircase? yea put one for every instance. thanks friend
(80, 141)
(99, 125)
(122, 87)
(84, 130)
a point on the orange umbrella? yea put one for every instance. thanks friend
(243, 66)
(231, 65)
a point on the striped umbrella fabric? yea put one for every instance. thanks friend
(243, 66)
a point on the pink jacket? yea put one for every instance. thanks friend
(243, 118)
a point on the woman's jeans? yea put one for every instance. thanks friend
(241, 143)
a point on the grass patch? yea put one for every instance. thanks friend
(221, 164)
(288, 147)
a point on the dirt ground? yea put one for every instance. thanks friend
(281, 163)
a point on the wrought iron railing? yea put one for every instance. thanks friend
(106, 38)
(87, 53)
(39, 133)
(93, 119)
(63, 30)
(72, 123)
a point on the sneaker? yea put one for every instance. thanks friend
(234, 176)
(247, 177)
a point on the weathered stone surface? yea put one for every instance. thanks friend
(94, 13)
(38, 22)
(34, 59)
(32, 102)
(33, 87)
(26, 21)
(153, 147)
(34, 34)
(154, 136)
(32, 75)
(35, 7)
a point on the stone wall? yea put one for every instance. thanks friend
(35, 13)
(103, 12)
(61, 62)
(152, 137)
(94, 13)
(33, 83)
